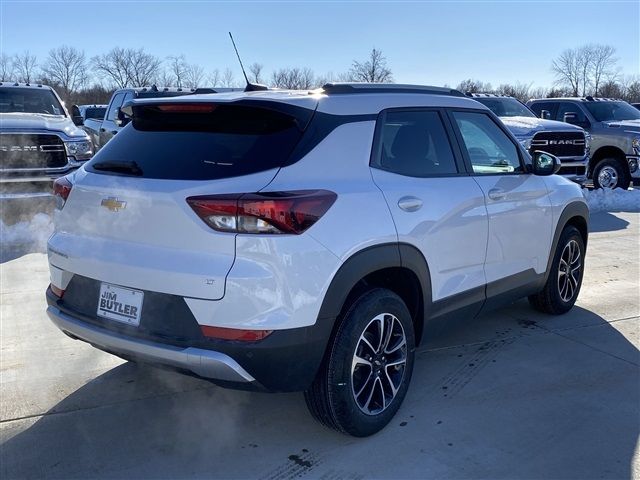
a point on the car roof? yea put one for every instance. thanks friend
(576, 99)
(25, 85)
(342, 99)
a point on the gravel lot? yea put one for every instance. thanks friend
(514, 394)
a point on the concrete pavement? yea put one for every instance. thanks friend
(513, 394)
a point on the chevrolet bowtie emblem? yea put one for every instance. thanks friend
(113, 204)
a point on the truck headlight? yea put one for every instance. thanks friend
(81, 150)
(635, 143)
(526, 143)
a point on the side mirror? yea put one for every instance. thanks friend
(121, 118)
(544, 163)
(545, 114)
(570, 117)
(78, 121)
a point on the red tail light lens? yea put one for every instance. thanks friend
(58, 292)
(263, 213)
(187, 108)
(61, 190)
(234, 334)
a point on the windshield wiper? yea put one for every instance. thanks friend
(129, 168)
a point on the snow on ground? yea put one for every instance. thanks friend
(618, 200)
(32, 234)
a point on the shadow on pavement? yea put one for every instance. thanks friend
(606, 222)
(513, 394)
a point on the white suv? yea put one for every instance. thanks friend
(287, 241)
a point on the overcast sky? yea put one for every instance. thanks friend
(424, 42)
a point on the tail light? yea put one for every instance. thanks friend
(263, 213)
(61, 190)
(58, 292)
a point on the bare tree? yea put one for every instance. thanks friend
(611, 89)
(24, 65)
(474, 86)
(567, 70)
(113, 66)
(214, 78)
(372, 70)
(228, 80)
(66, 67)
(255, 69)
(165, 78)
(539, 92)
(193, 76)
(178, 67)
(293, 78)
(144, 67)
(127, 67)
(6, 68)
(603, 63)
(521, 91)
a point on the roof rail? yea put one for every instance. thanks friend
(342, 88)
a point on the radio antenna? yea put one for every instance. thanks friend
(251, 87)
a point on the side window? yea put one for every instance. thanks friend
(539, 106)
(415, 144)
(570, 107)
(113, 108)
(490, 150)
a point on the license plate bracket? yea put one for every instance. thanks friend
(121, 304)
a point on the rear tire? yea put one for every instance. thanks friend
(611, 173)
(565, 278)
(367, 369)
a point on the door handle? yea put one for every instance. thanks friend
(113, 132)
(410, 204)
(497, 194)
(103, 129)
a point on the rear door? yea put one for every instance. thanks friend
(518, 204)
(109, 128)
(435, 205)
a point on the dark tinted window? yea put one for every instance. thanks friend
(490, 150)
(505, 107)
(95, 112)
(415, 144)
(570, 107)
(539, 106)
(611, 111)
(29, 100)
(228, 141)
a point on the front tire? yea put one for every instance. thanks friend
(368, 366)
(611, 173)
(565, 278)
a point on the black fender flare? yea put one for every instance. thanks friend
(367, 261)
(571, 210)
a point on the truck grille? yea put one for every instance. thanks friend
(31, 151)
(560, 144)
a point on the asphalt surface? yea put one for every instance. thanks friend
(513, 394)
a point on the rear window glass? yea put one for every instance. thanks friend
(95, 112)
(227, 141)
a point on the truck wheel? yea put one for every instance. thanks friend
(565, 278)
(367, 368)
(611, 173)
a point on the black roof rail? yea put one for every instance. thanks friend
(342, 88)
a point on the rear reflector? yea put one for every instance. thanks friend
(61, 190)
(58, 292)
(263, 213)
(234, 334)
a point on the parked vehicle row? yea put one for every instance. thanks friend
(308, 241)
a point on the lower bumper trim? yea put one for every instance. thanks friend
(204, 363)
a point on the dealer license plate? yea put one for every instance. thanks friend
(120, 304)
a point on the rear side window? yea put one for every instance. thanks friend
(415, 144)
(570, 107)
(199, 142)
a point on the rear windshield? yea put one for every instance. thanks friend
(95, 112)
(196, 142)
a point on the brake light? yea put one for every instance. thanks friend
(234, 334)
(61, 190)
(263, 213)
(187, 108)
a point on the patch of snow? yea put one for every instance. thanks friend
(31, 235)
(618, 200)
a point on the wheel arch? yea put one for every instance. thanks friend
(576, 214)
(607, 151)
(399, 267)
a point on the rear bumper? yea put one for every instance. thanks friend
(204, 363)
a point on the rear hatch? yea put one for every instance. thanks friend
(126, 220)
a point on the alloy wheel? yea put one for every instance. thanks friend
(569, 271)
